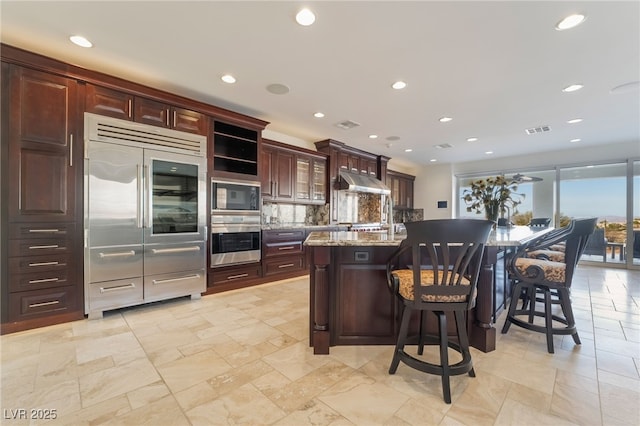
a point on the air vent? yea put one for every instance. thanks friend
(347, 124)
(107, 129)
(443, 146)
(539, 129)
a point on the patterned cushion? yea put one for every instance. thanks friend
(558, 247)
(405, 276)
(556, 256)
(553, 271)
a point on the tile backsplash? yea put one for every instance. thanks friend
(294, 214)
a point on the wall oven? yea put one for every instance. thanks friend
(235, 240)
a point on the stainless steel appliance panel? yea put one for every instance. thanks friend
(234, 244)
(114, 185)
(166, 258)
(115, 294)
(164, 286)
(115, 262)
(175, 197)
(235, 196)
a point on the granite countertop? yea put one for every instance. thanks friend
(276, 227)
(501, 236)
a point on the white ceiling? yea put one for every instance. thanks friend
(497, 68)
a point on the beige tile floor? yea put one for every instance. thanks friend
(242, 357)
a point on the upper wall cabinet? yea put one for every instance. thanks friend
(292, 175)
(114, 103)
(401, 185)
(235, 150)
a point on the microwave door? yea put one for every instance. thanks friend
(174, 197)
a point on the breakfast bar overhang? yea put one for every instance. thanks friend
(350, 303)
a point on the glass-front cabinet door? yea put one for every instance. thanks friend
(303, 184)
(319, 188)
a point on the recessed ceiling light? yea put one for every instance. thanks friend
(408, 150)
(373, 136)
(80, 41)
(472, 139)
(572, 88)
(433, 160)
(575, 140)
(318, 115)
(305, 17)
(228, 78)
(277, 89)
(399, 85)
(488, 152)
(445, 119)
(574, 120)
(570, 22)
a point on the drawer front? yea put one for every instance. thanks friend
(283, 265)
(33, 304)
(41, 230)
(280, 249)
(40, 246)
(31, 264)
(115, 294)
(40, 280)
(283, 235)
(165, 286)
(165, 258)
(236, 273)
(114, 263)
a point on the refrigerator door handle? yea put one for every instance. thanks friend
(148, 198)
(140, 203)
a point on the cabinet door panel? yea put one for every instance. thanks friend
(267, 177)
(103, 101)
(151, 112)
(43, 160)
(189, 121)
(284, 182)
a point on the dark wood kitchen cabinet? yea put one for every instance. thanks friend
(118, 104)
(401, 185)
(235, 151)
(42, 145)
(283, 254)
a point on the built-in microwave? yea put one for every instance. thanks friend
(230, 196)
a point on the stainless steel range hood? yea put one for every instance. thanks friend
(361, 183)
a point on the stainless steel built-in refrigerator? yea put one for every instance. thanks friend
(145, 214)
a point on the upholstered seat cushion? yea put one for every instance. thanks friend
(558, 247)
(556, 256)
(553, 271)
(405, 277)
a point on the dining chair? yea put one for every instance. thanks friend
(540, 222)
(552, 280)
(440, 277)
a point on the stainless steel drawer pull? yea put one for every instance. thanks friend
(286, 248)
(52, 246)
(37, 305)
(117, 287)
(44, 264)
(120, 254)
(44, 280)
(235, 277)
(49, 231)
(170, 280)
(175, 250)
(287, 265)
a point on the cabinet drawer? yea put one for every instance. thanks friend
(40, 246)
(283, 235)
(115, 294)
(40, 230)
(42, 279)
(280, 249)
(160, 287)
(31, 304)
(283, 265)
(236, 273)
(31, 264)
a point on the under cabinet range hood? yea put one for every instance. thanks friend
(361, 183)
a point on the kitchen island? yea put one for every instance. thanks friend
(350, 302)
